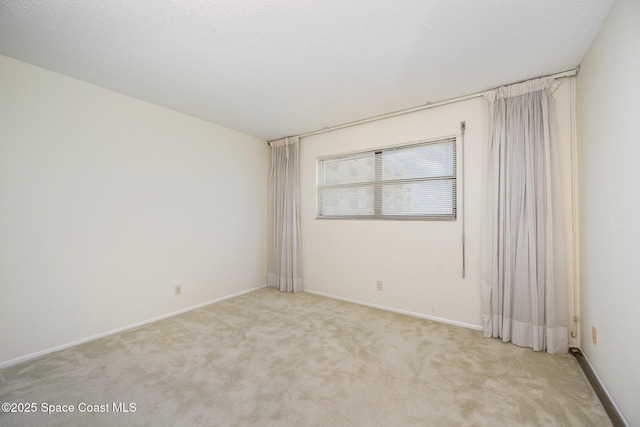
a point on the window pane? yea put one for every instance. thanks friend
(411, 181)
(347, 201)
(418, 198)
(349, 170)
(422, 161)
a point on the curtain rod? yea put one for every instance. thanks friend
(568, 73)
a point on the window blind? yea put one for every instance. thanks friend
(416, 181)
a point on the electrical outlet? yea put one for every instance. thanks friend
(379, 285)
(594, 335)
(178, 290)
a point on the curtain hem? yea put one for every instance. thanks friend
(284, 284)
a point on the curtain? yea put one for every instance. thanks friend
(284, 259)
(523, 276)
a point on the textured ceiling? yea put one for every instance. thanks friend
(286, 67)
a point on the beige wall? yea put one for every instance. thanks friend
(608, 106)
(108, 202)
(420, 262)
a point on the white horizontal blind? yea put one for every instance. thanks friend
(415, 181)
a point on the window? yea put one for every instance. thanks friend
(416, 181)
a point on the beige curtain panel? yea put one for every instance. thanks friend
(284, 268)
(523, 278)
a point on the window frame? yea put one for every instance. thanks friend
(378, 182)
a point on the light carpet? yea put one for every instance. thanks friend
(277, 359)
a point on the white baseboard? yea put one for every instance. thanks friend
(399, 311)
(122, 329)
